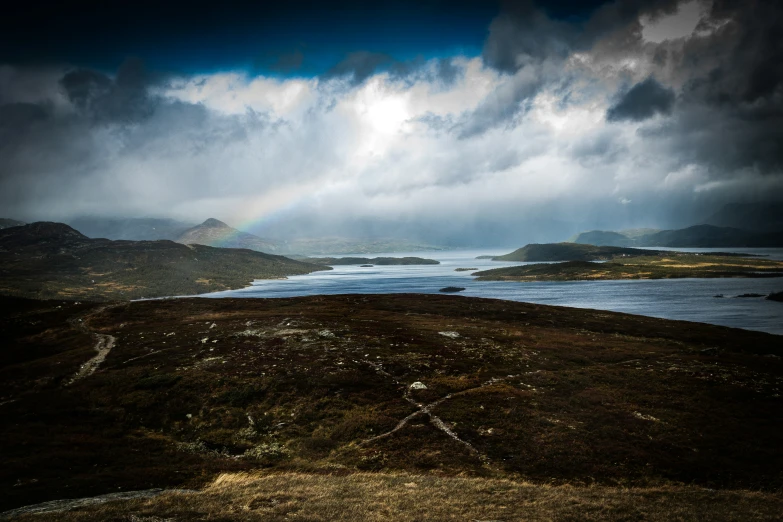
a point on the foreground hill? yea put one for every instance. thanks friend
(569, 252)
(217, 234)
(47, 260)
(371, 407)
(698, 236)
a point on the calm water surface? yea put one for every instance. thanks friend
(684, 299)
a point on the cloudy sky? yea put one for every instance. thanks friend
(468, 122)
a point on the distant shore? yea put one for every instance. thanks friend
(642, 267)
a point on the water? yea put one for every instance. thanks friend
(683, 299)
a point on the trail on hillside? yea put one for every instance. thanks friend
(426, 409)
(103, 345)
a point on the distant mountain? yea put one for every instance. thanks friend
(345, 245)
(52, 260)
(334, 261)
(709, 236)
(760, 217)
(7, 223)
(217, 234)
(132, 229)
(570, 252)
(603, 237)
(697, 236)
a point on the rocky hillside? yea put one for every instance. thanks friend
(52, 260)
(217, 234)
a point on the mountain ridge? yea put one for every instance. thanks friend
(695, 236)
(52, 260)
(216, 233)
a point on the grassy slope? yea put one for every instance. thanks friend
(375, 497)
(569, 252)
(544, 394)
(648, 267)
(50, 260)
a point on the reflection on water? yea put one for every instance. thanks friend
(684, 299)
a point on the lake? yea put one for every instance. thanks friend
(683, 299)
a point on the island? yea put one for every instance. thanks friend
(464, 269)
(665, 266)
(571, 252)
(452, 289)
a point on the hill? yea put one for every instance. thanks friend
(697, 236)
(569, 252)
(604, 238)
(334, 261)
(48, 260)
(709, 236)
(664, 266)
(217, 234)
(7, 223)
(362, 404)
(130, 229)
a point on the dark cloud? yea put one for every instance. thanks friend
(359, 66)
(730, 111)
(643, 100)
(447, 72)
(503, 107)
(523, 33)
(122, 98)
(81, 86)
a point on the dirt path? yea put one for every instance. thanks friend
(436, 421)
(103, 345)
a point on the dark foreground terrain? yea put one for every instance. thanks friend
(386, 406)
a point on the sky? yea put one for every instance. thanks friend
(472, 122)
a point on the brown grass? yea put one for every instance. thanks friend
(401, 497)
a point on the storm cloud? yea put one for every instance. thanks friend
(644, 113)
(643, 100)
